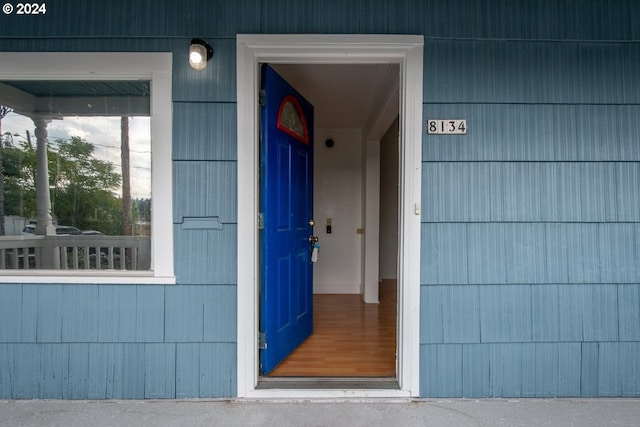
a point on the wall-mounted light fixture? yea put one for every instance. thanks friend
(199, 53)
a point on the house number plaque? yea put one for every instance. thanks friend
(446, 127)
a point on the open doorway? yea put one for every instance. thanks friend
(356, 154)
(406, 51)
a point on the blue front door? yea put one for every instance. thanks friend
(286, 205)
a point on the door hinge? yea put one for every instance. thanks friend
(260, 221)
(262, 341)
(262, 97)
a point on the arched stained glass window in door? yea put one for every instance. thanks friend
(291, 119)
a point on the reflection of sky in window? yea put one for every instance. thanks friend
(104, 134)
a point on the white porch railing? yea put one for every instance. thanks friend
(77, 252)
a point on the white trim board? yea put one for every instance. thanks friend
(252, 50)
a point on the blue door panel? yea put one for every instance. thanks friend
(281, 294)
(286, 203)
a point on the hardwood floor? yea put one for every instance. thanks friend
(350, 338)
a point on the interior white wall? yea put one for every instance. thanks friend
(338, 195)
(389, 158)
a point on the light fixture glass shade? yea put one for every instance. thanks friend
(197, 56)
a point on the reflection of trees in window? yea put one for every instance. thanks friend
(19, 164)
(83, 188)
(90, 174)
(83, 192)
(3, 112)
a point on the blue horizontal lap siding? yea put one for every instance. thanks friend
(208, 196)
(79, 313)
(546, 20)
(475, 370)
(606, 20)
(197, 313)
(535, 133)
(505, 313)
(629, 312)
(205, 184)
(511, 370)
(530, 192)
(533, 217)
(508, 71)
(160, 371)
(11, 314)
(212, 18)
(120, 341)
(49, 314)
(195, 249)
(117, 314)
(82, 313)
(204, 370)
(204, 131)
(89, 371)
(70, 18)
(507, 376)
(545, 313)
(441, 370)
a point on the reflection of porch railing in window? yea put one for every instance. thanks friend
(77, 252)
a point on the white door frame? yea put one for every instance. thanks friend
(252, 50)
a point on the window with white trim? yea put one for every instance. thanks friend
(80, 133)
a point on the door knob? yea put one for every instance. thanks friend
(313, 239)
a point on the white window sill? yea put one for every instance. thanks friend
(90, 277)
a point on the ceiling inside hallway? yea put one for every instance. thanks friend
(346, 96)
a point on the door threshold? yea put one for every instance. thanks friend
(327, 383)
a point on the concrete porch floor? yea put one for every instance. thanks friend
(353, 413)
